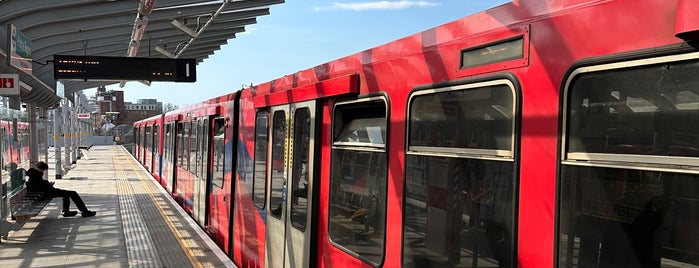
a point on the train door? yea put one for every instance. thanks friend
(290, 186)
(179, 158)
(200, 171)
(154, 151)
(168, 151)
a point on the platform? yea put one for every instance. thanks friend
(137, 222)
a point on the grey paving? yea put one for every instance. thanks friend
(137, 224)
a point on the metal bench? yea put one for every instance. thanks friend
(25, 204)
(21, 205)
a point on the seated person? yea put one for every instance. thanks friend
(36, 183)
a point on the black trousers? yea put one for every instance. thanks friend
(67, 196)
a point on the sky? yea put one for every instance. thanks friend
(300, 34)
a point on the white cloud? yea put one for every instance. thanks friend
(248, 30)
(378, 5)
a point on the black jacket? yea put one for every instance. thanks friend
(36, 182)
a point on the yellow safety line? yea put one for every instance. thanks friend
(183, 242)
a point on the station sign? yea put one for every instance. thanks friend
(9, 85)
(20, 49)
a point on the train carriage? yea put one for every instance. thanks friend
(150, 139)
(541, 133)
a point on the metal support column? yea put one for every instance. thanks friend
(44, 139)
(67, 132)
(73, 117)
(33, 135)
(57, 140)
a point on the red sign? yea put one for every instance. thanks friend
(83, 116)
(7, 83)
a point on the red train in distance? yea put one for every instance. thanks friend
(539, 133)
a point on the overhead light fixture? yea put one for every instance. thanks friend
(145, 7)
(183, 28)
(164, 52)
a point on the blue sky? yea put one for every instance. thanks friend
(300, 34)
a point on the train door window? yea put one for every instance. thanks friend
(148, 137)
(278, 157)
(182, 142)
(135, 140)
(156, 143)
(148, 143)
(168, 140)
(193, 146)
(460, 176)
(299, 177)
(358, 181)
(629, 171)
(260, 167)
(219, 154)
(204, 149)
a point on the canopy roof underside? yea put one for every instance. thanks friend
(109, 28)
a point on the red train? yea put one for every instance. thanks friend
(538, 133)
(15, 144)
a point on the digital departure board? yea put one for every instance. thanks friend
(68, 67)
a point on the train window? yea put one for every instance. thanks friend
(148, 137)
(260, 167)
(460, 177)
(194, 153)
(156, 143)
(182, 150)
(168, 140)
(278, 165)
(219, 155)
(299, 172)
(204, 149)
(357, 214)
(629, 175)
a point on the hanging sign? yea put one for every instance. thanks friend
(9, 85)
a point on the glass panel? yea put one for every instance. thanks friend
(299, 172)
(358, 202)
(168, 137)
(182, 138)
(279, 138)
(218, 171)
(458, 212)
(639, 110)
(628, 218)
(477, 118)
(498, 52)
(149, 138)
(358, 179)
(361, 123)
(193, 153)
(204, 151)
(260, 169)
(156, 139)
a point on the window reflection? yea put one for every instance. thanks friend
(632, 210)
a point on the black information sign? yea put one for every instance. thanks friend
(69, 67)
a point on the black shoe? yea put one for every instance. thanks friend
(89, 213)
(69, 213)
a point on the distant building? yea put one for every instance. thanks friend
(109, 109)
(143, 108)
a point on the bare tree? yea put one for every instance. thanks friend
(169, 107)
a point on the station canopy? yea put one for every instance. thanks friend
(193, 29)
